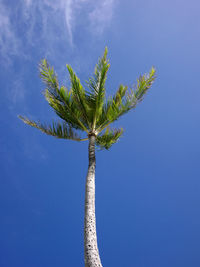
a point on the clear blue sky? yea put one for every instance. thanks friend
(148, 184)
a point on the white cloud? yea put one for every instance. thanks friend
(51, 17)
(68, 19)
(98, 14)
(45, 27)
(28, 2)
(9, 42)
(17, 92)
(101, 16)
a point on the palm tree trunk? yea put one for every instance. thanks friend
(92, 258)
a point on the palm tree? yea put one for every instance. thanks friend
(89, 112)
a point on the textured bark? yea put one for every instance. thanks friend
(92, 258)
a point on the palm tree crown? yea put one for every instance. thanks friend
(88, 110)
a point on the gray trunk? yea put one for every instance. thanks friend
(92, 258)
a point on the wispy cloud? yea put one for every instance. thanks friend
(45, 20)
(9, 42)
(101, 16)
(68, 19)
(98, 14)
(44, 28)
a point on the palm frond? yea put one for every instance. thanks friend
(96, 84)
(78, 95)
(65, 108)
(48, 75)
(125, 100)
(60, 99)
(59, 130)
(108, 138)
(143, 84)
(89, 111)
(111, 107)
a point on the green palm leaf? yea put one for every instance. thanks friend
(48, 76)
(96, 84)
(109, 138)
(59, 130)
(60, 99)
(79, 96)
(125, 100)
(89, 111)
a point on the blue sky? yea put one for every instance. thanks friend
(148, 184)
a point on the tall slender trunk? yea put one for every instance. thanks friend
(92, 258)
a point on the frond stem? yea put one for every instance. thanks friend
(101, 129)
(84, 139)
